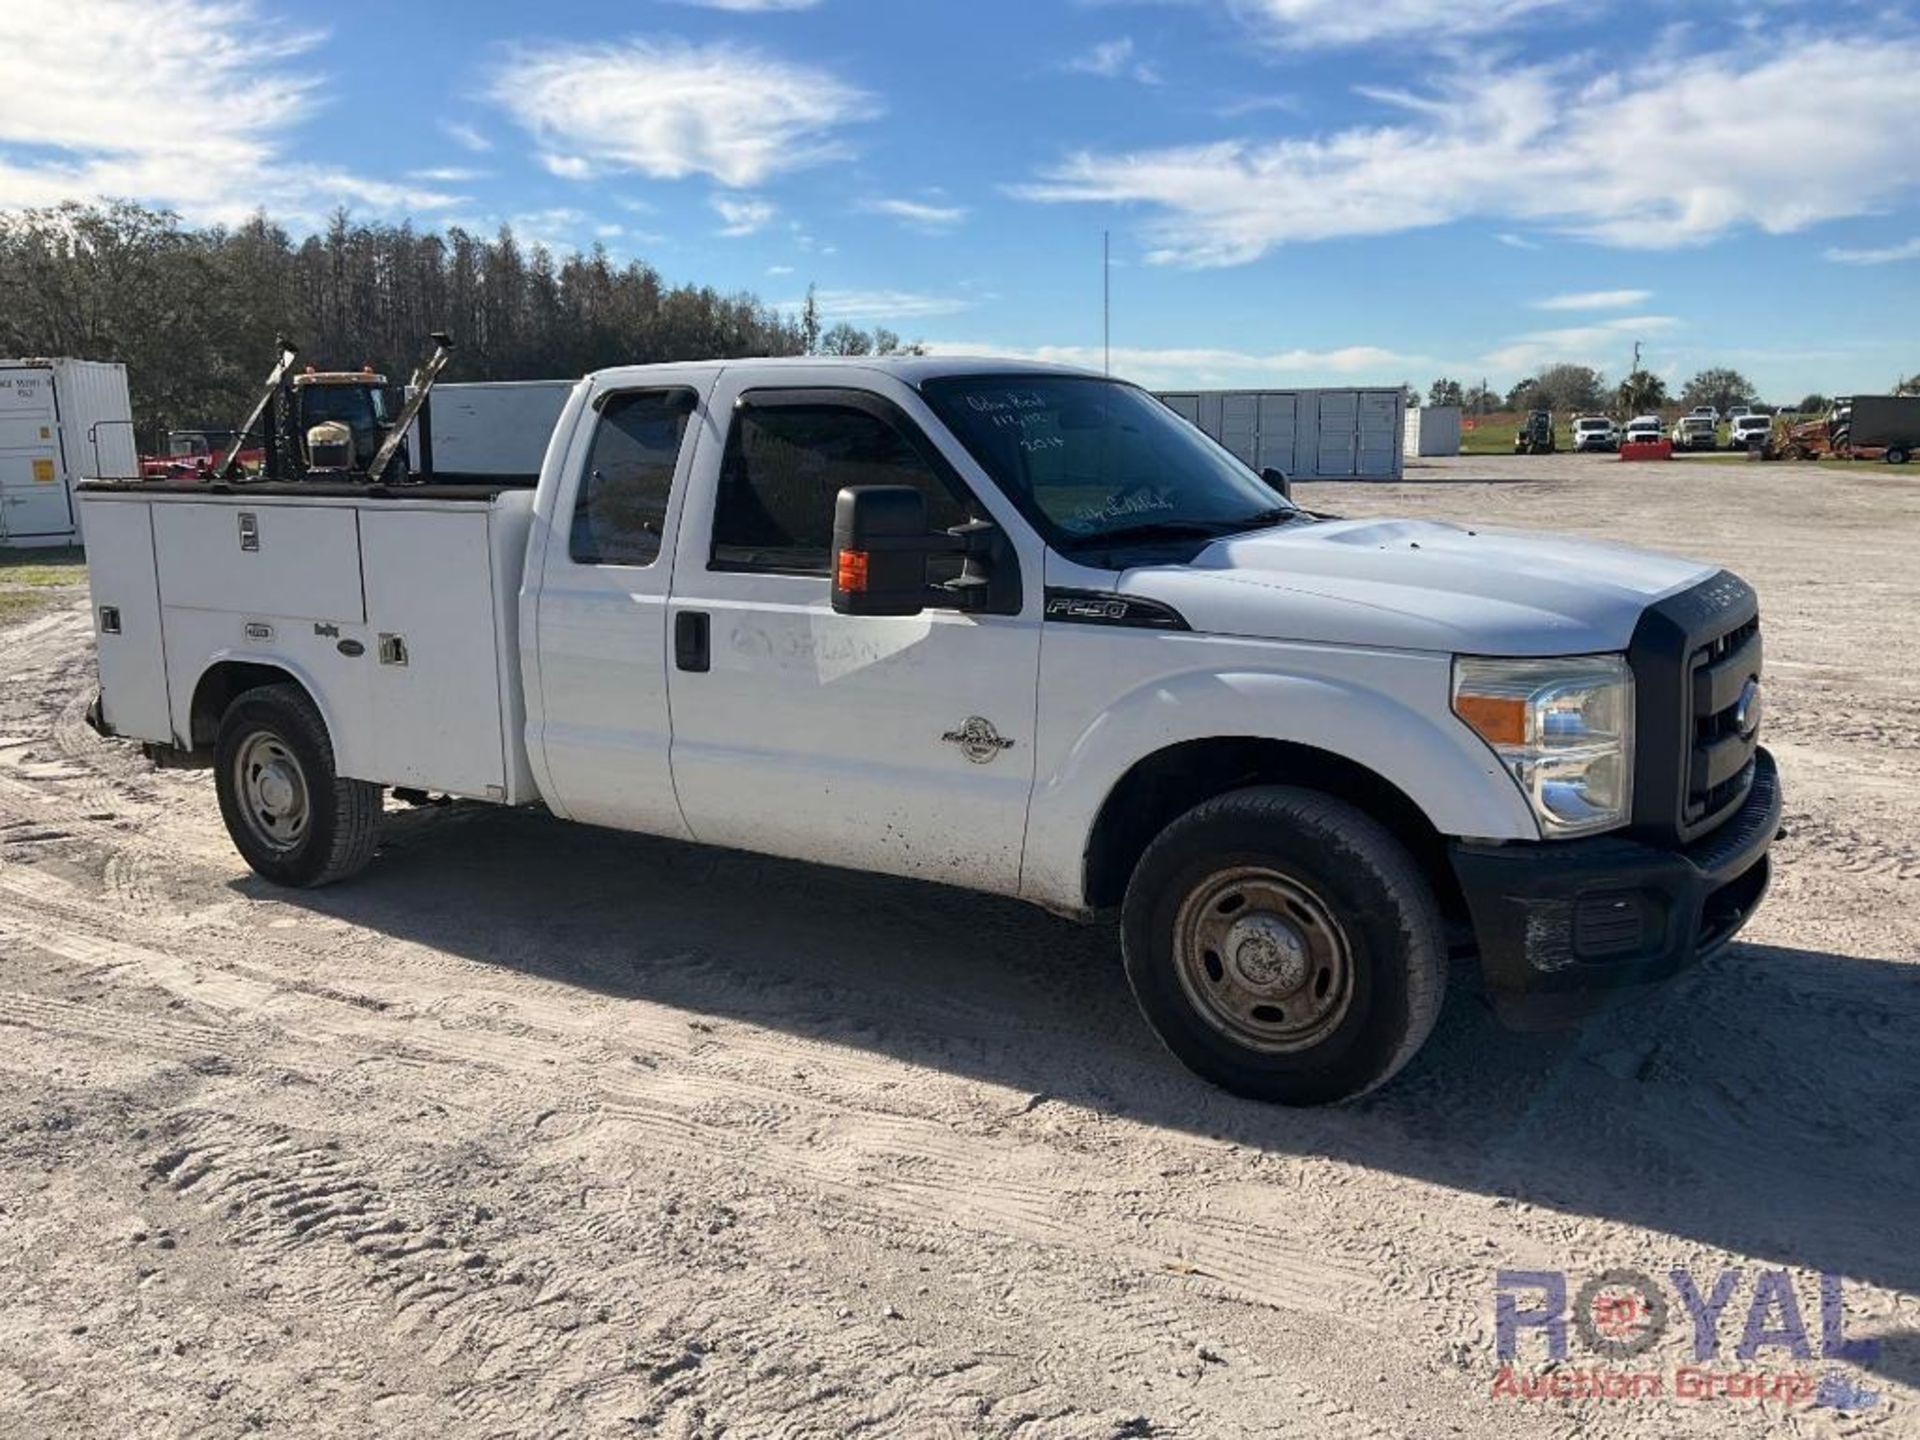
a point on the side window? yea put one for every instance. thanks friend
(621, 509)
(783, 468)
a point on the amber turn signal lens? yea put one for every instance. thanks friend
(1496, 719)
(850, 571)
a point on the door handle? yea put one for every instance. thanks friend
(693, 640)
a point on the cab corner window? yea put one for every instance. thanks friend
(621, 509)
(785, 464)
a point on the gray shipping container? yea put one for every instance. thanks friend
(60, 421)
(1310, 434)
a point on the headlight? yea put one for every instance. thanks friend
(1564, 730)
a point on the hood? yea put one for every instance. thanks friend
(1418, 585)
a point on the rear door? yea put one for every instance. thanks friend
(898, 744)
(603, 730)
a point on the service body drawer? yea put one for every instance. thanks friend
(267, 559)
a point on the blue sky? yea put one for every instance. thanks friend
(1299, 191)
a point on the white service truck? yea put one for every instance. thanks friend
(1003, 626)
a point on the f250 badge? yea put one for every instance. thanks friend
(978, 740)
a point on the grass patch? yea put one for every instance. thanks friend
(24, 604)
(43, 567)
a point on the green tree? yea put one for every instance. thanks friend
(1480, 400)
(1526, 395)
(1721, 388)
(1571, 387)
(1445, 392)
(1641, 393)
(1909, 386)
(1813, 404)
(193, 312)
(845, 339)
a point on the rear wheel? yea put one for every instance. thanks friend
(1898, 455)
(1284, 946)
(292, 818)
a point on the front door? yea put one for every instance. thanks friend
(898, 744)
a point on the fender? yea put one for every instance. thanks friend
(340, 734)
(1379, 720)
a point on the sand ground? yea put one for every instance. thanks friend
(539, 1130)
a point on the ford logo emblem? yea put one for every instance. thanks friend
(1746, 712)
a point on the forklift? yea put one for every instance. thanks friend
(332, 425)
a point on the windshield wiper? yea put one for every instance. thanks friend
(1150, 530)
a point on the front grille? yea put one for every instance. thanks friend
(1720, 763)
(1693, 655)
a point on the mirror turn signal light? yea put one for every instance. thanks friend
(850, 572)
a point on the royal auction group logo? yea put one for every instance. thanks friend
(1751, 1342)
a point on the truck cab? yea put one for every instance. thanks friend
(1015, 628)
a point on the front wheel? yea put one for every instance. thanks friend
(1284, 946)
(292, 818)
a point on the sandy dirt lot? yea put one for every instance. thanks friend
(539, 1130)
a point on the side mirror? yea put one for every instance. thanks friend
(880, 549)
(1277, 482)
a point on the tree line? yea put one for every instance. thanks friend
(1581, 388)
(194, 312)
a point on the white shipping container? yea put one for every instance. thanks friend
(490, 430)
(1433, 430)
(1321, 434)
(61, 421)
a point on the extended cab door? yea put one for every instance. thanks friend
(898, 744)
(600, 738)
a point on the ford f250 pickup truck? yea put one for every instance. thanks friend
(1009, 627)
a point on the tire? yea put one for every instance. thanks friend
(1898, 455)
(1335, 923)
(292, 818)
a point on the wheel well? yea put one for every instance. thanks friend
(220, 687)
(1170, 782)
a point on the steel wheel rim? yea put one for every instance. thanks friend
(272, 789)
(1263, 960)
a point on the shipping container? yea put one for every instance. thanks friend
(1310, 434)
(61, 421)
(489, 431)
(1433, 430)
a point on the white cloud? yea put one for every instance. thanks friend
(1112, 60)
(1516, 242)
(1595, 300)
(918, 214)
(743, 216)
(1606, 346)
(671, 110)
(1176, 366)
(867, 305)
(447, 174)
(1884, 255)
(1314, 24)
(466, 135)
(779, 270)
(184, 103)
(1663, 154)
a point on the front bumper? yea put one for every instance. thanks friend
(1566, 927)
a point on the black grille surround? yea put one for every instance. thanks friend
(1692, 656)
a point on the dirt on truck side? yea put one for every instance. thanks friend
(537, 1129)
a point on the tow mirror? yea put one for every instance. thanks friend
(880, 549)
(1277, 482)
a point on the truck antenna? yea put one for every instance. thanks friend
(1106, 301)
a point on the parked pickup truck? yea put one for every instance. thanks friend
(1009, 627)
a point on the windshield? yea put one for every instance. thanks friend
(1087, 459)
(1595, 424)
(361, 408)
